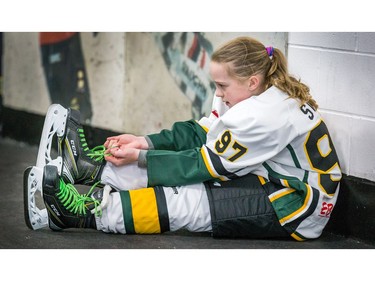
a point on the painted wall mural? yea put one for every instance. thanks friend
(103, 75)
(187, 57)
(65, 71)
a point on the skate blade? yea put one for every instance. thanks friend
(54, 123)
(35, 212)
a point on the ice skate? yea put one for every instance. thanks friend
(74, 160)
(66, 207)
(80, 164)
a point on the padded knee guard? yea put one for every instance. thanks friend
(241, 208)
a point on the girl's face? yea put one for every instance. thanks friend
(229, 89)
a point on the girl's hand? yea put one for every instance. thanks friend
(126, 141)
(122, 155)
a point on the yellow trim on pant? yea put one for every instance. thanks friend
(145, 211)
(262, 180)
(296, 237)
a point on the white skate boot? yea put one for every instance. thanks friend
(74, 161)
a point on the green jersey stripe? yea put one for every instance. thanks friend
(294, 156)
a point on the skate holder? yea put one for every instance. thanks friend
(54, 123)
(35, 217)
(34, 209)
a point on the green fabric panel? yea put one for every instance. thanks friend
(182, 136)
(171, 168)
(289, 203)
(127, 212)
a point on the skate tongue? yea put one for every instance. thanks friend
(101, 195)
(98, 195)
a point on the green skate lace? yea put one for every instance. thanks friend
(97, 153)
(75, 202)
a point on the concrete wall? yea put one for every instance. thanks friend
(25, 84)
(131, 88)
(339, 68)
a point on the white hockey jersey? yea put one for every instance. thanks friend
(274, 137)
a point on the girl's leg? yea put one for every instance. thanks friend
(157, 210)
(126, 177)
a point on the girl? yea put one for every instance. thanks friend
(261, 165)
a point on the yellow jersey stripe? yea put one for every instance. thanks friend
(281, 193)
(145, 211)
(207, 164)
(204, 128)
(285, 183)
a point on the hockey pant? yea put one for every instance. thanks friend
(237, 208)
(136, 209)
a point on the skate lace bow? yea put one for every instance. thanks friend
(97, 153)
(75, 202)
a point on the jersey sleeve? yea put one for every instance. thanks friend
(228, 154)
(175, 168)
(182, 136)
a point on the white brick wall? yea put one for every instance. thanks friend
(340, 68)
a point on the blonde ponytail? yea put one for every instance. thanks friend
(245, 56)
(279, 77)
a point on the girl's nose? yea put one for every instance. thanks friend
(218, 93)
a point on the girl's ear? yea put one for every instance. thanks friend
(253, 83)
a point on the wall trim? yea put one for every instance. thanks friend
(27, 127)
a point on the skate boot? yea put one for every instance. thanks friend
(80, 164)
(66, 207)
(76, 162)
